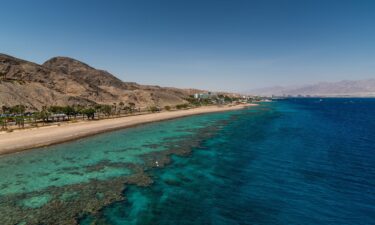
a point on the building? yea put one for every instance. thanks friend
(206, 95)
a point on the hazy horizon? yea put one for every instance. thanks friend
(215, 45)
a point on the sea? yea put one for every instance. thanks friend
(291, 161)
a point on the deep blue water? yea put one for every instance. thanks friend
(295, 161)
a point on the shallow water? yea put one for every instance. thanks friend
(91, 172)
(297, 161)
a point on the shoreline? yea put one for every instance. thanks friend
(23, 140)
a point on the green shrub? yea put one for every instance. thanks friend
(154, 109)
(182, 106)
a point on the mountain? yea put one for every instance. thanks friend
(346, 88)
(66, 81)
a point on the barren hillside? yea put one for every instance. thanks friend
(66, 81)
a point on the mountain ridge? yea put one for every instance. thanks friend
(67, 81)
(344, 88)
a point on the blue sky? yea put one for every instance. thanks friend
(233, 45)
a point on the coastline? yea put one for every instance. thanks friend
(40, 137)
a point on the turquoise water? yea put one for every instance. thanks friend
(293, 162)
(50, 180)
(296, 161)
(66, 163)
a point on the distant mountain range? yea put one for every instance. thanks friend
(66, 81)
(346, 88)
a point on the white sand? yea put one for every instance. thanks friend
(38, 137)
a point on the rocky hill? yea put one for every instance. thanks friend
(346, 88)
(66, 81)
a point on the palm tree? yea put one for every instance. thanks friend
(89, 112)
(106, 109)
(3, 123)
(4, 119)
(132, 106)
(115, 107)
(44, 114)
(36, 116)
(121, 104)
(98, 110)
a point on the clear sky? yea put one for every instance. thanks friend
(233, 45)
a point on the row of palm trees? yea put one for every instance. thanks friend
(19, 114)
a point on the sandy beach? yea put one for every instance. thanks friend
(44, 136)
